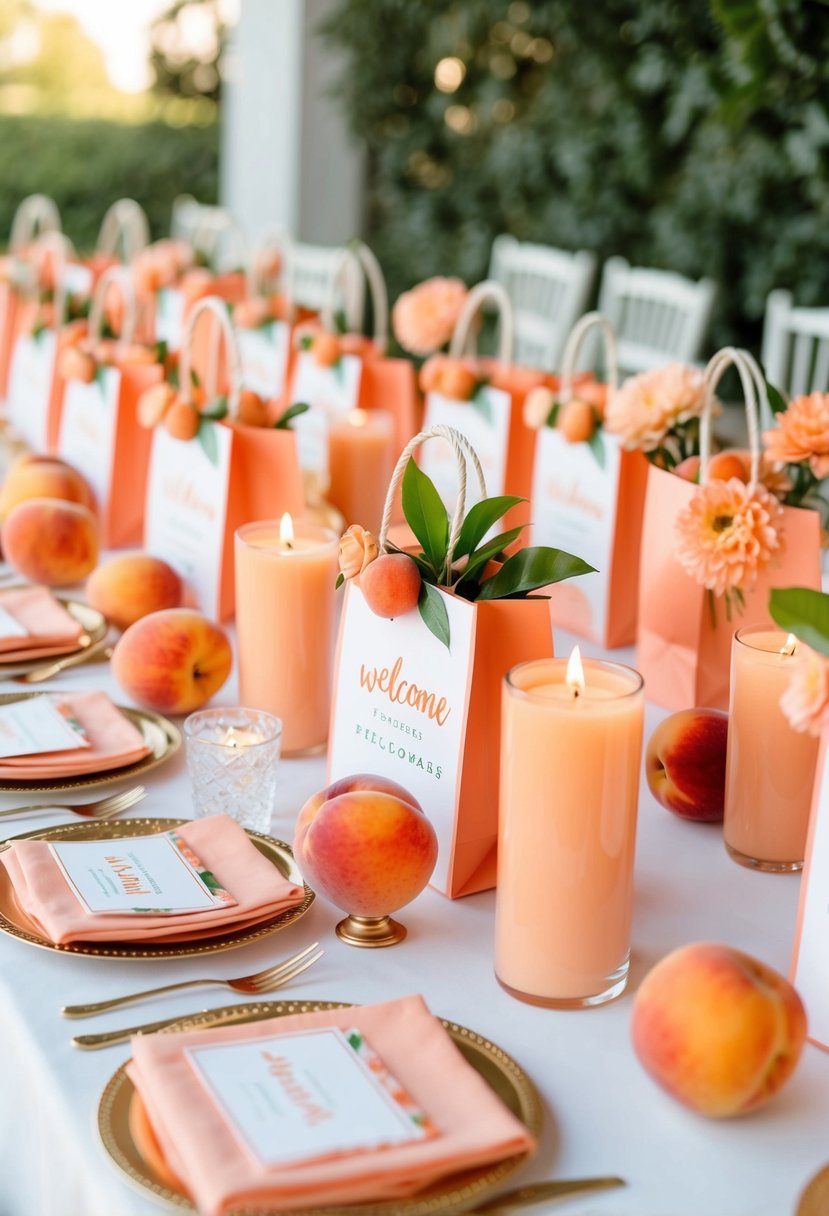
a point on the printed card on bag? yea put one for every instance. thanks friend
(575, 487)
(264, 354)
(88, 426)
(331, 392)
(187, 494)
(400, 707)
(485, 422)
(30, 387)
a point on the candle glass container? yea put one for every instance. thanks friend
(285, 623)
(569, 788)
(361, 456)
(770, 767)
(232, 760)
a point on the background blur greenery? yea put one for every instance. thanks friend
(685, 134)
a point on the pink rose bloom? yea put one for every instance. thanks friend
(802, 434)
(423, 318)
(806, 700)
(649, 405)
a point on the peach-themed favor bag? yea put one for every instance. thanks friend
(685, 626)
(36, 215)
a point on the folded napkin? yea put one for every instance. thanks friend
(113, 742)
(475, 1128)
(260, 891)
(50, 629)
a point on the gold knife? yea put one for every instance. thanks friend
(536, 1192)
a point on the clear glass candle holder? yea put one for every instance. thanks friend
(233, 759)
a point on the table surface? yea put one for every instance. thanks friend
(602, 1113)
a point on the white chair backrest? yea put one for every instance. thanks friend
(659, 316)
(548, 289)
(795, 346)
(190, 217)
(314, 272)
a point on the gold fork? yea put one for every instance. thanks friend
(96, 652)
(261, 981)
(103, 808)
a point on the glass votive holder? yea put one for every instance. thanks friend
(232, 759)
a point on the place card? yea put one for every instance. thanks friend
(38, 725)
(147, 875)
(264, 352)
(306, 1096)
(331, 392)
(169, 317)
(10, 627)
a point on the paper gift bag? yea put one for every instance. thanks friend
(684, 633)
(408, 708)
(264, 324)
(588, 497)
(200, 490)
(36, 215)
(98, 430)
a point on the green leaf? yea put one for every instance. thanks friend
(215, 409)
(530, 569)
(776, 399)
(340, 581)
(293, 411)
(597, 448)
(552, 417)
(803, 612)
(426, 515)
(340, 322)
(481, 403)
(480, 518)
(206, 435)
(195, 378)
(432, 609)
(161, 351)
(481, 556)
(306, 342)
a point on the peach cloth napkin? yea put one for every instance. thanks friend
(113, 742)
(220, 844)
(476, 1129)
(50, 629)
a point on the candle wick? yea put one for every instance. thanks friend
(288, 544)
(575, 693)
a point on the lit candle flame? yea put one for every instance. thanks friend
(575, 673)
(286, 530)
(790, 646)
(358, 418)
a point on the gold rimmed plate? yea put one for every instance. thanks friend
(160, 735)
(15, 922)
(93, 623)
(128, 1139)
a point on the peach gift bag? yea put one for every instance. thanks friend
(684, 634)
(36, 215)
(409, 708)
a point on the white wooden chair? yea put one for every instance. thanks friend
(190, 217)
(795, 352)
(314, 274)
(548, 289)
(658, 316)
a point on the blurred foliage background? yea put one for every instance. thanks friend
(689, 135)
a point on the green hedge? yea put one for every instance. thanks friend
(86, 165)
(691, 136)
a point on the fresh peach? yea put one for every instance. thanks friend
(43, 477)
(50, 541)
(576, 420)
(181, 420)
(366, 845)
(730, 463)
(252, 410)
(74, 363)
(172, 661)
(391, 584)
(326, 349)
(688, 469)
(720, 1031)
(132, 585)
(685, 763)
(154, 403)
(457, 381)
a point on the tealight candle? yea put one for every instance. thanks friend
(361, 453)
(770, 768)
(232, 759)
(285, 618)
(571, 744)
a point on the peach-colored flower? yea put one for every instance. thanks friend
(449, 377)
(802, 433)
(647, 406)
(357, 549)
(423, 318)
(728, 533)
(806, 700)
(537, 405)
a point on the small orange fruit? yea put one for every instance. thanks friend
(576, 420)
(182, 419)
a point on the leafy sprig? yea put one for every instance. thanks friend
(803, 612)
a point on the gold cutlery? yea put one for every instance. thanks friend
(97, 652)
(537, 1192)
(102, 808)
(250, 985)
(91, 1042)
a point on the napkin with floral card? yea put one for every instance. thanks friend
(196, 1103)
(203, 879)
(34, 623)
(110, 740)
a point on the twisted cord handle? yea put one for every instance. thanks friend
(218, 308)
(730, 356)
(125, 222)
(487, 292)
(256, 274)
(119, 279)
(36, 215)
(358, 254)
(574, 343)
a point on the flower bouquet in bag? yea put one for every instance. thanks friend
(710, 555)
(589, 494)
(425, 639)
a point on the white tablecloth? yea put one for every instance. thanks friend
(602, 1112)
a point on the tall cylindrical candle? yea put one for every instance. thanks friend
(285, 619)
(770, 768)
(570, 759)
(361, 455)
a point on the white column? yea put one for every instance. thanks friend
(287, 162)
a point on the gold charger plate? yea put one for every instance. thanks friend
(453, 1194)
(159, 734)
(93, 623)
(15, 922)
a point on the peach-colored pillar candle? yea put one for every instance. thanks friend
(361, 455)
(770, 768)
(285, 620)
(571, 747)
